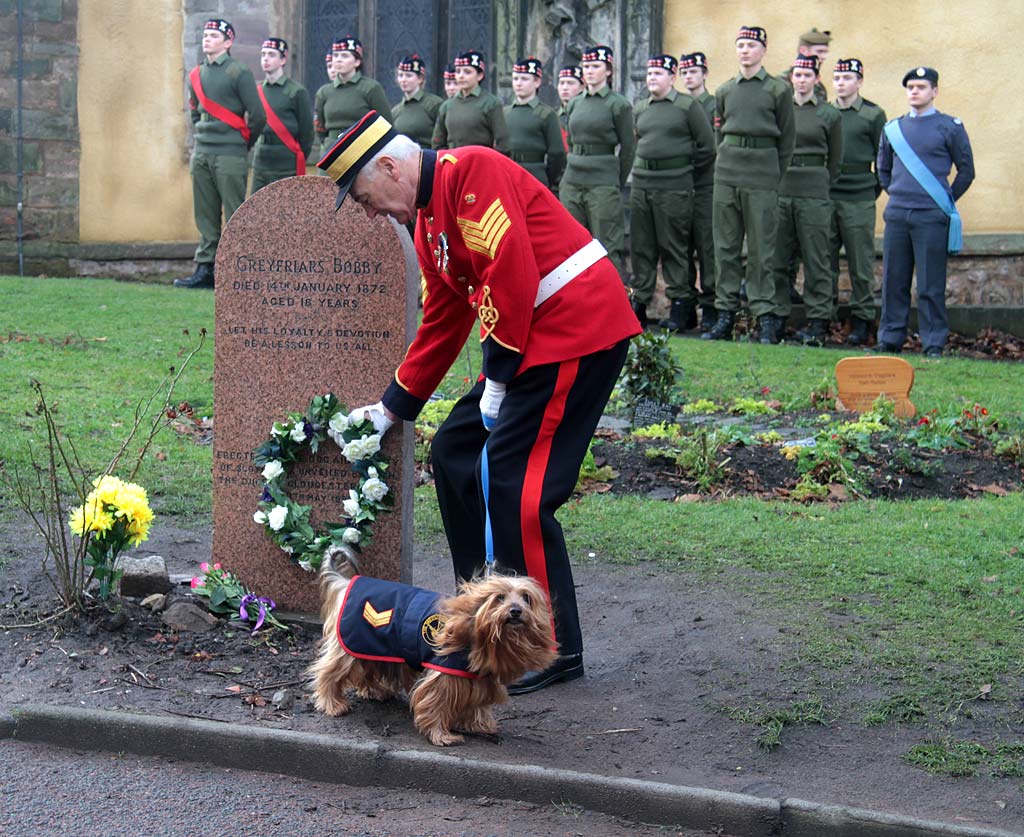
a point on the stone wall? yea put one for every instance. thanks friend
(50, 146)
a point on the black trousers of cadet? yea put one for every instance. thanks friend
(534, 455)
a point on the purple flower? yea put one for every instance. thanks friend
(265, 603)
(265, 496)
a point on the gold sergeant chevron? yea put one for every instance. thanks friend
(485, 235)
(377, 620)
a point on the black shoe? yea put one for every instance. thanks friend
(681, 317)
(708, 315)
(884, 348)
(767, 325)
(722, 329)
(566, 668)
(814, 333)
(640, 310)
(780, 327)
(933, 352)
(858, 335)
(202, 278)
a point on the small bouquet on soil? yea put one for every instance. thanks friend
(114, 515)
(227, 596)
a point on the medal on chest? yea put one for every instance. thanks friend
(441, 253)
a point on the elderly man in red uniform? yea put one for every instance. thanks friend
(496, 246)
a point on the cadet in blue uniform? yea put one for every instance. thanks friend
(917, 226)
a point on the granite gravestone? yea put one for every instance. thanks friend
(308, 301)
(861, 380)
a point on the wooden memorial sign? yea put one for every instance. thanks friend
(862, 379)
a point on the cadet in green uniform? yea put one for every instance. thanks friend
(600, 123)
(674, 140)
(854, 194)
(451, 84)
(350, 96)
(813, 42)
(222, 91)
(570, 85)
(754, 130)
(329, 58)
(276, 156)
(693, 70)
(473, 116)
(534, 135)
(416, 114)
(805, 212)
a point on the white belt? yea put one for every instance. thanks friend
(589, 254)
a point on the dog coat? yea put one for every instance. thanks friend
(395, 623)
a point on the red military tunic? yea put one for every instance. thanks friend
(486, 235)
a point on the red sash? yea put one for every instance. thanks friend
(282, 133)
(229, 118)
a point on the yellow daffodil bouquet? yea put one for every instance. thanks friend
(114, 515)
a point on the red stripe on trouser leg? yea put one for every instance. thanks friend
(533, 482)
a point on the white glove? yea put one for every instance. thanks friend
(375, 413)
(490, 402)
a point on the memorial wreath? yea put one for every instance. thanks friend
(286, 522)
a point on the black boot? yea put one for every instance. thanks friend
(814, 333)
(767, 324)
(202, 278)
(780, 327)
(681, 317)
(722, 329)
(566, 668)
(708, 315)
(640, 310)
(858, 335)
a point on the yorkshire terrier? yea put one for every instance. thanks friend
(453, 656)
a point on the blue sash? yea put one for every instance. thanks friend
(929, 182)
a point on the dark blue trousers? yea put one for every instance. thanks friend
(915, 239)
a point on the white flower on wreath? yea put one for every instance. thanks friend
(276, 517)
(298, 433)
(306, 566)
(287, 549)
(272, 470)
(336, 426)
(260, 517)
(352, 505)
(374, 489)
(350, 535)
(278, 429)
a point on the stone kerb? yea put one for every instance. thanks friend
(308, 301)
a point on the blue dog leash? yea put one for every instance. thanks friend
(488, 533)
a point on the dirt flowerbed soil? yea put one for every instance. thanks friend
(667, 655)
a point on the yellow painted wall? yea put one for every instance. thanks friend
(976, 80)
(134, 178)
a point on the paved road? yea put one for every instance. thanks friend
(47, 791)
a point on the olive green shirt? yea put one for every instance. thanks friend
(415, 116)
(598, 123)
(340, 104)
(676, 131)
(761, 108)
(476, 119)
(817, 151)
(863, 123)
(229, 83)
(535, 140)
(290, 101)
(706, 179)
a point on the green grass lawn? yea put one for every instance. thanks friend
(931, 591)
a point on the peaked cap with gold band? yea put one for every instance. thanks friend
(531, 66)
(753, 33)
(353, 150)
(850, 65)
(280, 44)
(348, 44)
(220, 25)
